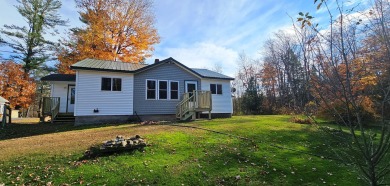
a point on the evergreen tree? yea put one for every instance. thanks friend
(252, 100)
(28, 42)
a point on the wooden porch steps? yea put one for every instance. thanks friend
(64, 118)
(194, 103)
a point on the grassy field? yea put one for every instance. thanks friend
(277, 152)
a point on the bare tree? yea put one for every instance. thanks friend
(350, 80)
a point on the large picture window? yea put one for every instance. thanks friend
(162, 89)
(150, 89)
(216, 89)
(111, 84)
(174, 85)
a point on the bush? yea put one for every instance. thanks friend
(300, 120)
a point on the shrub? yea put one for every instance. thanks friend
(300, 120)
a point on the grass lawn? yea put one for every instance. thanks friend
(44, 154)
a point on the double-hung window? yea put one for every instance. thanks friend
(174, 89)
(111, 84)
(151, 86)
(216, 89)
(162, 89)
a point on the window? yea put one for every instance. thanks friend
(106, 84)
(162, 89)
(150, 89)
(219, 89)
(174, 89)
(216, 89)
(116, 84)
(112, 84)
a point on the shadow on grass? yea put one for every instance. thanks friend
(19, 130)
(94, 152)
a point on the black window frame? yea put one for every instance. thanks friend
(104, 86)
(114, 87)
(216, 89)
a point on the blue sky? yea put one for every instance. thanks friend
(204, 33)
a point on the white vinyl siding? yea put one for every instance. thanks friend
(60, 89)
(222, 103)
(89, 95)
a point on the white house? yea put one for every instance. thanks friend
(108, 91)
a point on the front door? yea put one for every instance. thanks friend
(71, 98)
(191, 86)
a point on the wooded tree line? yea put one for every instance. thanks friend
(296, 63)
(341, 71)
(113, 30)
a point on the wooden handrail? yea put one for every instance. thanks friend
(200, 99)
(50, 106)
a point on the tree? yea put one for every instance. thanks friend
(283, 74)
(28, 42)
(350, 78)
(118, 30)
(252, 100)
(14, 86)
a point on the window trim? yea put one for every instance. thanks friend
(168, 90)
(178, 90)
(155, 89)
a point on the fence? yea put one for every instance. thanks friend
(6, 111)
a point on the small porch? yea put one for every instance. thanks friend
(51, 107)
(193, 104)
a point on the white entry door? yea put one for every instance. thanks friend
(71, 98)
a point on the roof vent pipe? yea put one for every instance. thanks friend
(156, 60)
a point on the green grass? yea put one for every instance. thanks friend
(179, 155)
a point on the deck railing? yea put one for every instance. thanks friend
(196, 101)
(51, 106)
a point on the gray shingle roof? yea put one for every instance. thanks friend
(3, 100)
(59, 77)
(210, 74)
(105, 65)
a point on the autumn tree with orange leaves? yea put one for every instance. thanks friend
(118, 30)
(14, 87)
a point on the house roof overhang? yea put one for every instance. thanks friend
(59, 77)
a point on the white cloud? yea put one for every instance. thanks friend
(202, 54)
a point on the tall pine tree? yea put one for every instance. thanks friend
(28, 42)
